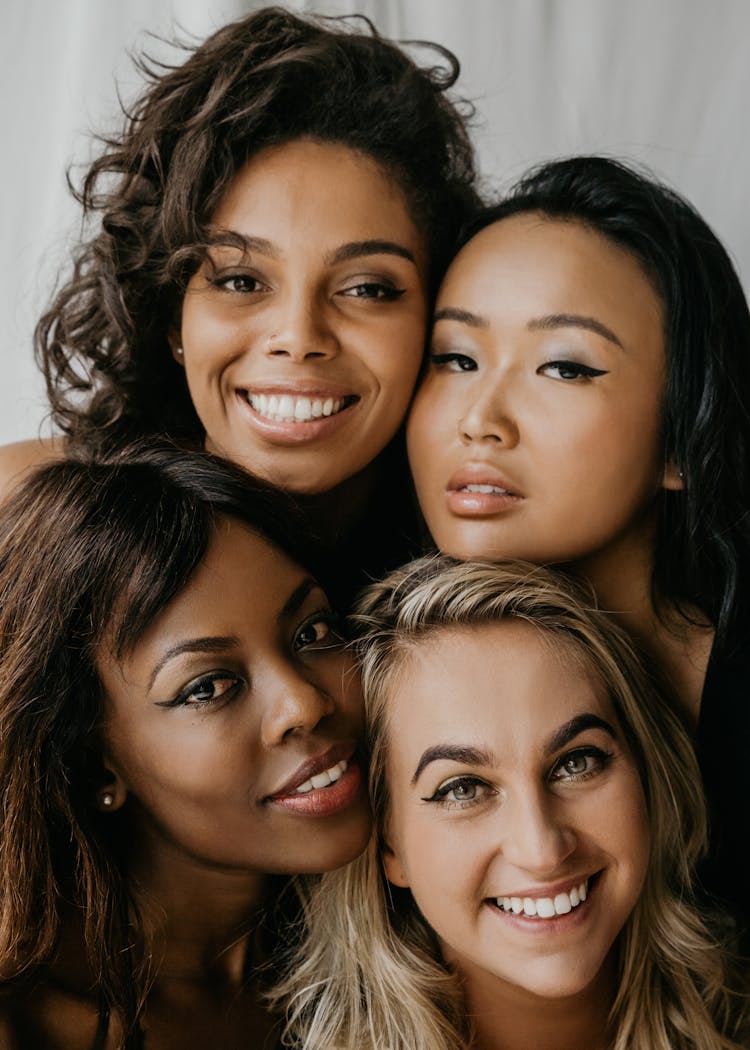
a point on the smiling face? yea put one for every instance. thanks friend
(301, 353)
(536, 433)
(517, 816)
(231, 726)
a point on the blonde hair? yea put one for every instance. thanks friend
(367, 972)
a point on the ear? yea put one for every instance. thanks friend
(110, 790)
(673, 478)
(394, 872)
(174, 337)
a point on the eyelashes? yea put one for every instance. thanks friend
(206, 689)
(575, 767)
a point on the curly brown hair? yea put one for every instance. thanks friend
(262, 81)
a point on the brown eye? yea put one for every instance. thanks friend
(318, 631)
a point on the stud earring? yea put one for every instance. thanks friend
(106, 799)
(179, 351)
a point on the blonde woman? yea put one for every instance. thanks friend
(538, 827)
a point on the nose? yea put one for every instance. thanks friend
(294, 705)
(300, 329)
(538, 834)
(486, 417)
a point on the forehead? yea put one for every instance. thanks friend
(239, 588)
(307, 181)
(504, 685)
(563, 262)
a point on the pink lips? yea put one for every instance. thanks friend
(324, 801)
(480, 490)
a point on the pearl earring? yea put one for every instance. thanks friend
(179, 351)
(107, 799)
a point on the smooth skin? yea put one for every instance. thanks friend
(536, 432)
(236, 694)
(510, 777)
(328, 304)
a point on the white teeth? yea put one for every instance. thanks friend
(485, 490)
(545, 907)
(563, 904)
(284, 408)
(321, 780)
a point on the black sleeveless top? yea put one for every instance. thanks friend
(723, 746)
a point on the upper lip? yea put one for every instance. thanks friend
(550, 890)
(482, 474)
(340, 752)
(297, 388)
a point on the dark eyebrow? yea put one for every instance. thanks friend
(552, 321)
(571, 729)
(194, 645)
(471, 756)
(357, 249)
(454, 313)
(297, 598)
(241, 242)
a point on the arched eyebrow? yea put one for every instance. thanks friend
(297, 598)
(474, 756)
(454, 313)
(470, 756)
(569, 730)
(590, 324)
(218, 644)
(360, 249)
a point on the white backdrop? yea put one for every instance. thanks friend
(666, 82)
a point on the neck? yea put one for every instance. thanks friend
(335, 514)
(621, 576)
(506, 1017)
(200, 918)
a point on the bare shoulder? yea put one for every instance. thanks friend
(49, 1017)
(17, 459)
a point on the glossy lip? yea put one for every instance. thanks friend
(480, 504)
(294, 433)
(545, 927)
(343, 751)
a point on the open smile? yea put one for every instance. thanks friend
(322, 786)
(290, 408)
(546, 908)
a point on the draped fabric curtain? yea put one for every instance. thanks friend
(666, 84)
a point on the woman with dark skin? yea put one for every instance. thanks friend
(179, 725)
(587, 404)
(271, 223)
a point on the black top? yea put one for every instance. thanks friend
(723, 745)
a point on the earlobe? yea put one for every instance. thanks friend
(673, 479)
(175, 344)
(394, 872)
(111, 791)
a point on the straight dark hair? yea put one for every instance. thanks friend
(91, 551)
(702, 555)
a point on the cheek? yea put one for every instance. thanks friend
(432, 422)
(398, 368)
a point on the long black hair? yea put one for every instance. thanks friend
(702, 556)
